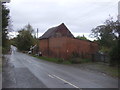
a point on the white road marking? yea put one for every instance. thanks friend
(52, 76)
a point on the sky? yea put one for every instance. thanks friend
(80, 16)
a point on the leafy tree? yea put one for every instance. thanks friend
(108, 36)
(30, 28)
(25, 39)
(81, 37)
(13, 41)
(5, 24)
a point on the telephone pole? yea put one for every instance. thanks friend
(37, 41)
(37, 32)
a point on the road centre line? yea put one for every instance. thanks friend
(52, 76)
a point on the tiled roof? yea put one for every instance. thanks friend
(52, 31)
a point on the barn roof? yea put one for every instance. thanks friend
(51, 32)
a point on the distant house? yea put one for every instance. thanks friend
(59, 42)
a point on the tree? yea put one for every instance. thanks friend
(29, 28)
(81, 37)
(25, 39)
(108, 36)
(5, 24)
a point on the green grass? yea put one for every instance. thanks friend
(78, 60)
(112, 71)
(56, 60)
(47, 58)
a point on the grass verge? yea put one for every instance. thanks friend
(113, 71)
(56, 60)
(102, 67)
(62, 61)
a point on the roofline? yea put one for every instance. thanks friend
(74, 38)
(43, 38)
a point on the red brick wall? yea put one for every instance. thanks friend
(43, 46)
(57, 47)
(83, 47)
(64, 47)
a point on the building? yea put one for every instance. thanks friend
(59, 42)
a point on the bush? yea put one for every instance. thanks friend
(60, 60)
(5, 50)
(77, 58)
(114, 56)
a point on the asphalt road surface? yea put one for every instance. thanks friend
(24, 71)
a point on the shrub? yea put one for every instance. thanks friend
(114, 56)
(60, 60)
(77, 58)
(5, 50)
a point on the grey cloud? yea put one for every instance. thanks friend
(80, 17)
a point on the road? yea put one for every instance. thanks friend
(25, 71)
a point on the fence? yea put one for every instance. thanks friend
(100, 57)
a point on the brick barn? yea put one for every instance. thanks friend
(59, 42)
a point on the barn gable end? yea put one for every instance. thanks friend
(58, 31)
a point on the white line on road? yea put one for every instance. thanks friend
(52, 76)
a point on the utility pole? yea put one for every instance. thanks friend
(37, 41)
(37, 32)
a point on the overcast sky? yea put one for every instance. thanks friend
(80, 16)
